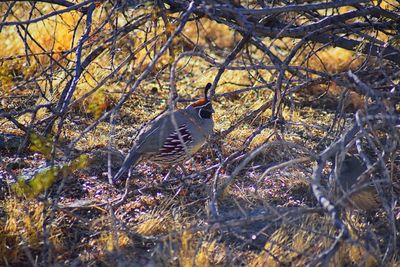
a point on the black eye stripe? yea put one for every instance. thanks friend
(205, 114)
(205, 111)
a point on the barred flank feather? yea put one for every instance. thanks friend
(173, 150)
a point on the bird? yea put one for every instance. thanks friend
(358, 192)
(172, 137)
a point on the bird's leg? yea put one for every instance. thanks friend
(166, 177)
(183, 170)
(172, 172)
(132, 171)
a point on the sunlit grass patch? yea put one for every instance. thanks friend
(160, 220)
(90, 101)
(206, 31)
(387, 4)
(261, 138)
(274, 250)
(112, 241)
(95, 139)
(286, 245)
(49, 42)
(189, 248)
(21, 230)
(47, 39)
(334, 60)
(106, 244)
(194, 251)
(151, 224)
(235, 138)
(290, 244)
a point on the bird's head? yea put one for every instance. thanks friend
(203, 106)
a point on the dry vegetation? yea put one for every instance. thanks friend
(248, 199)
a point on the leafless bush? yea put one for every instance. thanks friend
(71, 69)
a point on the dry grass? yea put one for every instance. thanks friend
(22, 228)
(93, 234)
(287, 245)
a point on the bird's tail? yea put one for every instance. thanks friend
(131, 159)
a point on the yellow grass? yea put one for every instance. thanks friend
(198, 252)
(334, 60)
(157, 221)
(273, 249)
(22, 223)
(22, 226)
(209, 30)
(110, 241)
(286, 245)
